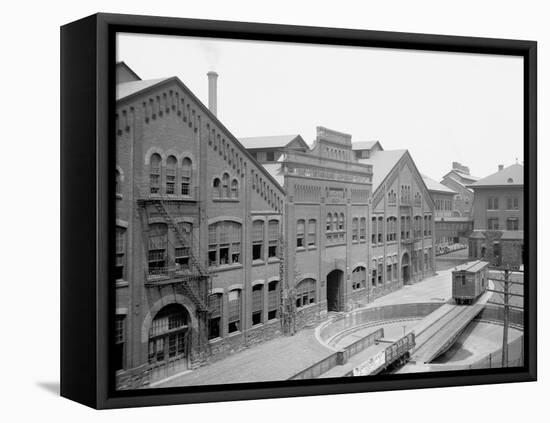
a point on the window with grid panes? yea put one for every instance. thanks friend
(158, 240)
(186, 167)
(512, 224)
(171, 163)
(155, 173)
(311, 233)
(305, 292)
(234, 189)
(380, 230)
(273, 239)
(234, 311)
(215, 308)
(119, 342)
(257, 304)
(355, 229)
(224, 243)
(300, 233)
(182, 251)
(492, 223)
(167, 333)
(492, 203)
(258, 240)
(225, 185)
(512, 203)
(120, 253)
(272, 300)
(363, 229)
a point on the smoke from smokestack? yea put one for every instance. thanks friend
(213, 92)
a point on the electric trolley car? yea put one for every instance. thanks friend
(470, 281)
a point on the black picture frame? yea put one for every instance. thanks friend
(87, 215)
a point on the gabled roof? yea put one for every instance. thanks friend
(121, 66)
(462, 184)
(382, 164)
(461, 176)
(509, 176)
(365, 145)
(433, 185)
(126, 89)
(272, 141)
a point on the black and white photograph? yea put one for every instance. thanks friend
(290, 211)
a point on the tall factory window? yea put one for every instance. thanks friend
(186, 168)
(225, 185)
(158, 240)
(171, 165)
(305, 293)
(311, 233)
(258, 240)
(119, 342)
(167, 333)
(224, 243)
(355, 229)
(380, 230)
(272, 299)
(363, 229)
(155, 173)
(402, 227)
(215, 318)
(300, 233)
(373, 272)
(217, 188)
(273, 238)
(373, 231)
(257, 304)
(380, 271)
(234, 312)
(120, 252)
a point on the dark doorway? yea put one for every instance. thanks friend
(335, 290)
(405, 268)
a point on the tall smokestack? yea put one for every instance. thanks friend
(213, 92)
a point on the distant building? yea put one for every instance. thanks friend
(498, 217)
(458, 179)
(270, 149)
(450, 227)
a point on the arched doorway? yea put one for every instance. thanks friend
(335, 291)
(405, 268)
(169, 347)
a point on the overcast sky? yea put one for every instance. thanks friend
(442, 107)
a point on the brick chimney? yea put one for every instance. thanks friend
(213, 92)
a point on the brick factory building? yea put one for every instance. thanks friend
(498, 217)
(450, 226)
(224, 243)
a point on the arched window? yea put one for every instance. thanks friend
(167, 336)
(157, 257)
(234, 189)
(305, 292)
(355, 229)
(224, 243)
(335, 222)
(258, 240)
(215, 307)
(363, 229)
(257, 304)
(341, 222)
(171, 164)
(217, 188)
(273, 298)
(311, 233)
(359, 278)
(234, 311)
(273, 239)
(225, 185)
(300, 233)
(186, 168)
(120, 253)
(155, 173)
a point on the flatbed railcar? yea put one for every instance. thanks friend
(470, 281)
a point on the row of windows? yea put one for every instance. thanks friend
(390, 228)
(177, 179)
(512, 223)
(512, 203)
(234, 309)
(336, 153)
(225, 187)
(444, 205)
(336, 227)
